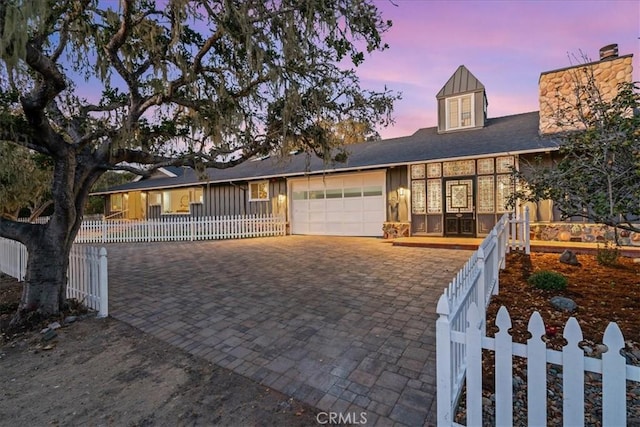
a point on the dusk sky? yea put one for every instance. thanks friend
(505, 44)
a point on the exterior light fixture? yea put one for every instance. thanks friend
(400, 191)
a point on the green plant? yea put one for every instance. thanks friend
(608, 254)
(548, 280)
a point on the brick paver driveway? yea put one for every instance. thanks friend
(344, 324)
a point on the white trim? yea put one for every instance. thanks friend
(167, 172)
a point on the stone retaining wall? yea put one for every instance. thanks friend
(582, 232)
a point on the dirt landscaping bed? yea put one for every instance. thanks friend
(104, 372)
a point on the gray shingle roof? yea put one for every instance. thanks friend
(510, 134)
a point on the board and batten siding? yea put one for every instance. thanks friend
(233, 199)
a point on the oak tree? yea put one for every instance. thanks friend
(139, 84)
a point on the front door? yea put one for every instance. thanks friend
(459, 218)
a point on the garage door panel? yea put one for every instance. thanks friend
(317, 216)
(351, 205)
(372, 204)
(335, 205)
(316, 205)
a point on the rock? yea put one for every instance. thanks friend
(49, 335)
(587, 350)
(70, 319)
(564, 304)
(54, 325)
(486, 401)
(600, 348)
(569, 257)
(629, 357)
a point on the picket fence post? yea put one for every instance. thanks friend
(443, 363)
(526, 231)
(496, 264)
(482, 287)
(474, 366)
(104, 283)
(536, 372)
(573, 375)
(503, 376)
(613, 378)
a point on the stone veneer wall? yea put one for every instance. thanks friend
(555, 86)
(581, 232)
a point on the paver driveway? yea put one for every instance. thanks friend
(344, 324)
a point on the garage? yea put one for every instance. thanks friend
(338, 205)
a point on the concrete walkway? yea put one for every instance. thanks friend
(344, 324)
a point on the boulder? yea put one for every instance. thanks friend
(569, 257)
(564, 304)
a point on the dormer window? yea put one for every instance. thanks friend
(460, 112)
(462, 103)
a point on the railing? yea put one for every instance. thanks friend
(13, 258)
(88, 278)
(87, 275)
(612, 366)
(475, 283)
(181, 228)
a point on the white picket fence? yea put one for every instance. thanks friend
(464, 302)
(87, 275)
(13, 258)
(476, 281)
(612, 366)
(181, 228)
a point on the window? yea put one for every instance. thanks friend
(375, 190)
(176, 201)
(154, 198)
(460, 112)
(258, 191)
(116, 203)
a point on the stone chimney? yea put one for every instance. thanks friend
(558, 89)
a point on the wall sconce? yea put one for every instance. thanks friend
(400, 191)
(281, 199)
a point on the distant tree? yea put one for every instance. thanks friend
(95, 204)
(353, 132)
(25, 181)
(597, 175)
(174, 83)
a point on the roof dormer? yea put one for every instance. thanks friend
(462, 103)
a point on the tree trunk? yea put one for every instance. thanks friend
(44, 289)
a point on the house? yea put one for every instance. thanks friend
(449, 180)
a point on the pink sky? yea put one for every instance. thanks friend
(506, 45)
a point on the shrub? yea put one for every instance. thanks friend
(548, 280)
(608, 254)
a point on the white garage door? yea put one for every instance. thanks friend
(338, 205)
